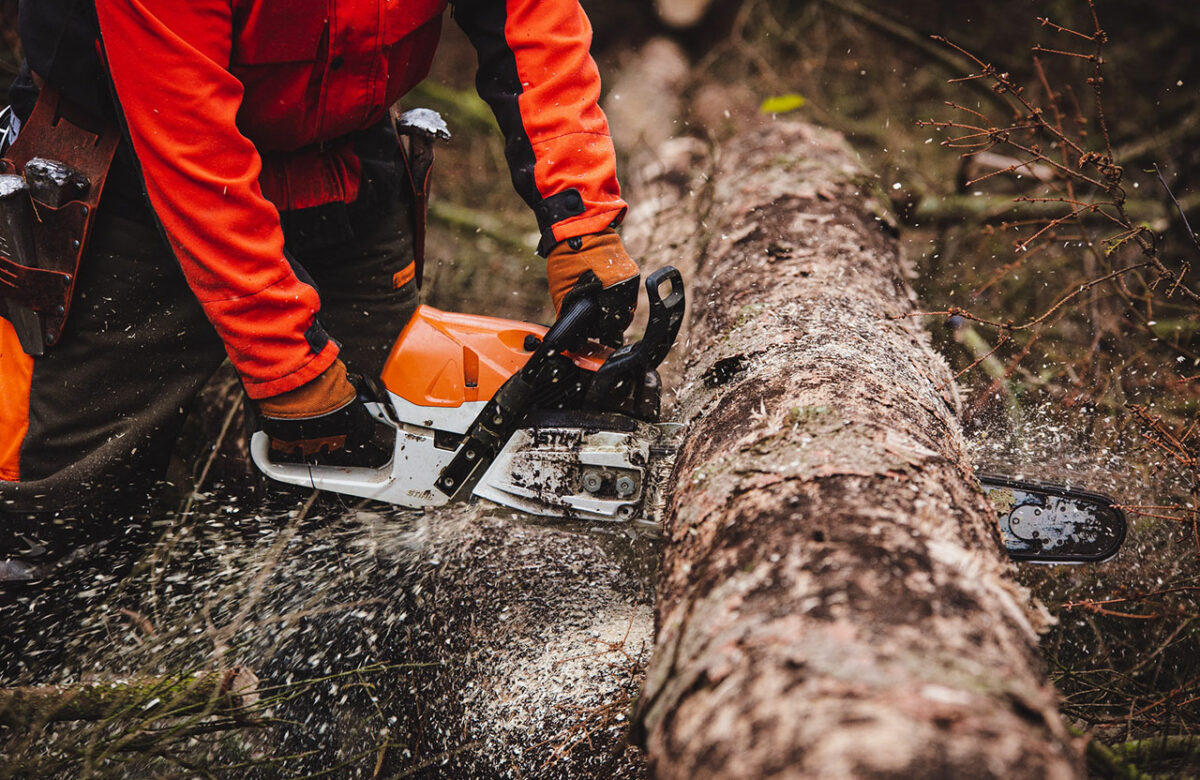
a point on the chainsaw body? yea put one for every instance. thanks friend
(533, 418)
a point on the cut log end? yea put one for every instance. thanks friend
(681, 14)
(239, 690)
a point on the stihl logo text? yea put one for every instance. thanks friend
(557, 439)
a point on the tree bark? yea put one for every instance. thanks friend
(833, 597)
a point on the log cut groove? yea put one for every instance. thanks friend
(833, 598)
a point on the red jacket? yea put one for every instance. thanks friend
(237, 108)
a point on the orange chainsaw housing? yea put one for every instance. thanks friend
(447, 359)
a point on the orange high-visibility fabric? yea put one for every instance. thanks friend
(559, 106)
(238, 109)
(168, 62)
(16, 374)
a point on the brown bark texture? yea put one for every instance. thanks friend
(833, 597)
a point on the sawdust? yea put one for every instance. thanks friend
(386, 642)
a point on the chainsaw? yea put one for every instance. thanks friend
(541, 420)
(1047, 523)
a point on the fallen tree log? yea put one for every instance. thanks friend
(833, 599)
(225, 692)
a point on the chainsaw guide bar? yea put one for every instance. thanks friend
(1044, 523)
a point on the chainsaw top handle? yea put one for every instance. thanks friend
(577, 314)
(666, 316)
(628, 366)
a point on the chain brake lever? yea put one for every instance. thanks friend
(632, 362)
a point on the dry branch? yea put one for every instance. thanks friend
(955, 209)
(227, 691)
(922, 43)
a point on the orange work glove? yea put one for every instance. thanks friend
(596, 265)
(322, 417)
(330, 391)
(601, 253)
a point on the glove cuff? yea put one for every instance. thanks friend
(351, 426)
(328, 392)
(601, 253)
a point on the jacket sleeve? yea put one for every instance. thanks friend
(537, 74)
(169, 64)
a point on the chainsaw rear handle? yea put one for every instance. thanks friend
(362, 481)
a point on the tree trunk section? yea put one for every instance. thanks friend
(833, 597)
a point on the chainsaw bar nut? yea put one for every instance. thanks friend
(592, 481)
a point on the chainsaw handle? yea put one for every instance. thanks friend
(508, 407)
(575, 315)
(630, 364)
(666, 314)
(568, 329)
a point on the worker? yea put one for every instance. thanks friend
(253, 208)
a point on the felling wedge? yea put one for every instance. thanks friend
(540, 420)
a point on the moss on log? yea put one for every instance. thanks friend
(222, 691)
